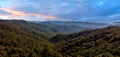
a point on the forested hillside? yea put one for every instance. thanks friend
(18, 40)
(26, 26)
(94, 43)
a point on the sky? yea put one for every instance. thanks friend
(61, 10)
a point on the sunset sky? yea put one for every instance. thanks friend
(61, 10)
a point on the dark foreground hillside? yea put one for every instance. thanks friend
(16, 40)
(95, 43)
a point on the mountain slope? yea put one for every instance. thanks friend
(36, 29)
(93, 43)
(17, 40)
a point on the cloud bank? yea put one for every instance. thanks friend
(63, 10)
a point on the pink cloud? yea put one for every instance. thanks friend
(16, 14)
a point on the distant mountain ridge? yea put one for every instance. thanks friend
(56, 27)
(71, 26)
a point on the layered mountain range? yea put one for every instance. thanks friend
(20, 38)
